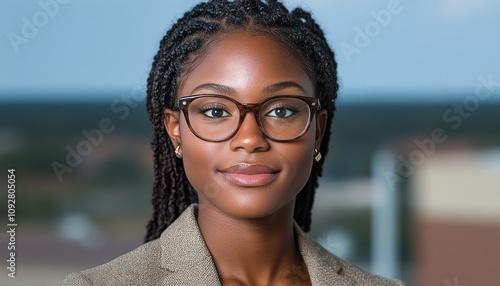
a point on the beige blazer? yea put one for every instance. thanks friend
(180, 257)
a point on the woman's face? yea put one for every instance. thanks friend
(248, 175)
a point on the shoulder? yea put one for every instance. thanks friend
(326, 268)
(168, 260)
(138, 267)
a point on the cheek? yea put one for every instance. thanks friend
(198, 158)
(299, 159)
(302, 165)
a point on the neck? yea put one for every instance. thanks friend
(253, 251)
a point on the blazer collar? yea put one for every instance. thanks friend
(324, 268)
(186, 256)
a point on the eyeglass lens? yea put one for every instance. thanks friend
(217, 118)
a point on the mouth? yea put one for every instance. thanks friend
(250, 175)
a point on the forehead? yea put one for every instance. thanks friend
(245, 61)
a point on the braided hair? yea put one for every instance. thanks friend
(183, 47)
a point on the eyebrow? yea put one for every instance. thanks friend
(219, 88)
(283, 85)
(223, 89)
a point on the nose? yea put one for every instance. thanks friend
(249, 137)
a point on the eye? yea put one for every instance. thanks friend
(281, 112)
(215, 113)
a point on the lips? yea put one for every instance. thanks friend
(250, 175)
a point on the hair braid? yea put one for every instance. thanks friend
(179, 52)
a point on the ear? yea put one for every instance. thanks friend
(171, 122)
(321, 119)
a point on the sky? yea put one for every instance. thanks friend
(389, 48)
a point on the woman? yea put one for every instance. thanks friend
(241, 96)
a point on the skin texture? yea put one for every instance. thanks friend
(248, 229)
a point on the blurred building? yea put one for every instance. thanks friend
(456, 200)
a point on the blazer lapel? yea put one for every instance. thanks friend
(323, 267)
(185, 254)
(187, 261)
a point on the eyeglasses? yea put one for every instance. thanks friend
(217, 118)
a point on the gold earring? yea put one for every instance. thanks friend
(317, 156)
(178, 152)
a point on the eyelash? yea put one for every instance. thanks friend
(285, 106)
(205, 108)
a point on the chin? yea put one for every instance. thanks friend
(254, 209)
